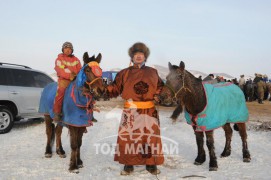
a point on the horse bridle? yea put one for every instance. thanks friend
(176, 93)
(91, 82)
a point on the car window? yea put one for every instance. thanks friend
(22, 78)
(3, 77)
(41, 80)
(29, 78)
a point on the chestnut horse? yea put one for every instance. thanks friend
(205, 111)
(77, 109)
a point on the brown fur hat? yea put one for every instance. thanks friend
(139, 47)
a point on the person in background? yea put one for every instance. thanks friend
(210, 79)
(258, 80)
(67, 66)
(242, 83)
(265, 78)
(139, 85)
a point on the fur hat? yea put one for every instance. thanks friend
(67, 45)
(139, 47)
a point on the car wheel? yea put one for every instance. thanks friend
(6, 120)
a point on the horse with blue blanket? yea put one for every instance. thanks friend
(77, 109)
(207, 107)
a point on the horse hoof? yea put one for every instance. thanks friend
(246, 160)
(80, 166)
(223, 155)
(62, 155)
(212, 168)
(197, 163)
(48, 155)
(76, 171)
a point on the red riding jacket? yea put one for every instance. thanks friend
(65, 65)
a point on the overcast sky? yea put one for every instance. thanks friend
(232, 36)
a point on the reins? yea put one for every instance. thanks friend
(182, 88)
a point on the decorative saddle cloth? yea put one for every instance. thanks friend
(77, 108)
(225, 104)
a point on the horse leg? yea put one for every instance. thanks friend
(228, 133)
(50, 132)
(59, 148)
(73, 140)
(243, 134)
(80, 136)
(210, 144)
(201, 153)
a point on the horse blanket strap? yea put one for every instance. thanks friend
(77, 107)
(139, 104)
(225, 104)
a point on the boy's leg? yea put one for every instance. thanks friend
(62, 85)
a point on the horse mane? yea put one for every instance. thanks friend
(179, 109)
(195, 101)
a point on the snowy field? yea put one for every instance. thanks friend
(22, 152)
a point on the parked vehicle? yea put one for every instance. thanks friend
(20, 91)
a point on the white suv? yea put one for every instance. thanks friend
(20, 91)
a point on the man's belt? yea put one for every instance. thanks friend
(139, 104)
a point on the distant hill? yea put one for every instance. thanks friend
(163, 72)
(115, 69)
(224, 75)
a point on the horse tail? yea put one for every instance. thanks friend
(53, 136)
(178, 110)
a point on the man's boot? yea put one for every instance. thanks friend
(153, 169)
(127, 170)
(94, 120)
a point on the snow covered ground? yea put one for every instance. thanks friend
(22, 152)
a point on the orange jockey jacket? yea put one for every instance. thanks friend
(65, 65)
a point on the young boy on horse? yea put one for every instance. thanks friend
(139, 85)
(67, 67)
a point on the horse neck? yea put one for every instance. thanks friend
(194, 101)
(74, 83)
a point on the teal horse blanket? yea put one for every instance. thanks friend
(225, 104)
(77, 107)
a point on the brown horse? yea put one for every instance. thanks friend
(189, 92)
(91, 85)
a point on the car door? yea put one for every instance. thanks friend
(25, 90)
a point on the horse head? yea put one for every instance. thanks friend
(93, 74)
(177, 81)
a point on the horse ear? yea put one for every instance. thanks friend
(169, 66)
(85, 57)
(99, 58)
(182, 66)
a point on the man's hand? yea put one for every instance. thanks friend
(156, 99)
